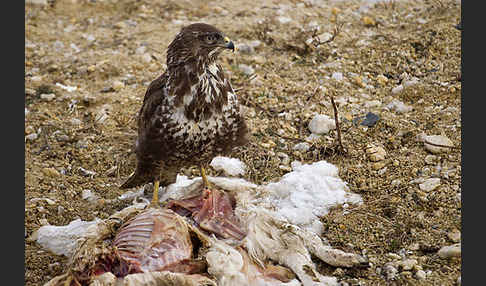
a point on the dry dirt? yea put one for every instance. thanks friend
(91, 45)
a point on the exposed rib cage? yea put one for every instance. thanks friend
(155, 240)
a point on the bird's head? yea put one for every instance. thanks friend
(201, 42)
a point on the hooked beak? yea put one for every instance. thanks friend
(229, 44)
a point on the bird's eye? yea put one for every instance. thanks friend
(210, 38)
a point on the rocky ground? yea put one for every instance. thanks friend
(88, 63)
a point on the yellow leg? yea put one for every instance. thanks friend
(155, 198)
(68, 281)
(204, 178)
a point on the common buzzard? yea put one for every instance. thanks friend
(190, 113)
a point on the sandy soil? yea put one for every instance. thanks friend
(110, 50)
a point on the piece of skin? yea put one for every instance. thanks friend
(213, 211)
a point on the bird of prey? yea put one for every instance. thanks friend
(190, 113)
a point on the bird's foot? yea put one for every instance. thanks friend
(206, 184)
(155, 199)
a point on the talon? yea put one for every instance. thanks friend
(155, 197)
(206, 183)
(68, 281)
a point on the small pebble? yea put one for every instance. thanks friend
(454, 235)
(117, 85)
(48, 96)
(66, 87)
(146, 58)
(430, 184)
(375, 153)
(430, 159)
(414, 246)
(393, 256)
(382, 171)
(248, 48)
(397, 89)
(410, 82)
(450, 251)
(321, 124)
(246, 69)
(313, 137)
(370, 120)
(141, 50)
(390, 271)
(324, 37)
(88, 195)
(284, 20)
(50, 172)
(337, 76)
(439, 140)
(245, 48)
(75, 121)
(420, 274)
(285, 168)
(407, 264)
(372, 103)
(378, 165)
(382, 79)
(62, 138)
(89, 37)
(29, 129)
(396, 182)
(399, 106)
(121, 25)
(284, 158)
(31, 137)
(49, 201)
(368, 21)
(75, 47)
(303, 146)
(86, 173)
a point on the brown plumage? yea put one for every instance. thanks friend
(190, 113)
